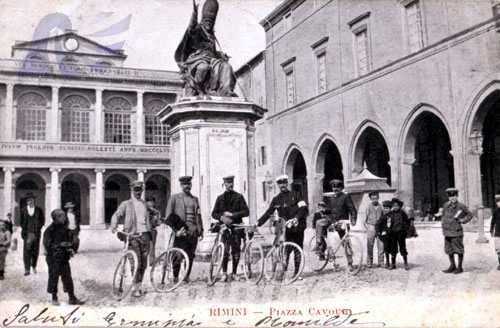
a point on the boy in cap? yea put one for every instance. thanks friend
(396, 224)
(340, 207)
(383, 228)
(5, 238)
(373, 214)
(184, 217)
(454, 215)
(32, 221)
(321, 213)
(136, 220)
(293, 209)
(495, 228)
(59, 248)
(229, 208)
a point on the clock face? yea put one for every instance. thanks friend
(71, 44)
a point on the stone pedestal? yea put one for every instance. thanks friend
(212, 137)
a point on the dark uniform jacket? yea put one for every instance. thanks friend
(289, 205)
(233, 202)
(452, 220)
(399, 222)
(58, 242)
(495, 223)
(32, 224)
(341, 207)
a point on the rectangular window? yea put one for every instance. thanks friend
(75, 126)
(362, 51)
(414, 26)
(156, 132)
(263, 155)
(31, 124)
(290, 88)
(264, 191)
(321, 70)
(117, 127)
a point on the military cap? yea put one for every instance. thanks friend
(69, 205)
(497, 198)
(322, 204)
(137, 185)
(452, 191)
(185, 179)
(397, 201)
(387, 203)
(282, 178)
(373, 193)
(336, 183)
(229, 178)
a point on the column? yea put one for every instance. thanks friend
(7, 190)
(405, 191)
(53, 126)
(8, 126)
(140, 118)
(98, 117)
(140, 177)
(55, 199)
(99, 197)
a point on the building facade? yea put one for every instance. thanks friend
(409, 88)
(78, 126)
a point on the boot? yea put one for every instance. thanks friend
(393, 262)
(55, 300)
(405, 259)
(387, 262)
(73, 300)
(369, 263)
(452, 266)
(460, 261)
(1, 275)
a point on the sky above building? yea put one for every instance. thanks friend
(148, 30)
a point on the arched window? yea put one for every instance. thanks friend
(75, 119)
(117, 120)
(31, 118)
(156, 132)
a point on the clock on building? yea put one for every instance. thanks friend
(71, 44)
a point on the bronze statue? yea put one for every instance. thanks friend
(205, 70)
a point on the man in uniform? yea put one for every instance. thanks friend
(32, 221)
(454, 215)
(339, 207)
(293, 209)
(136, 218)
(184, 217)
(229, 208)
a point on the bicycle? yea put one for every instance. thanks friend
(162, 274)
(217, 256)
(253, 255)
(352, 245)
(128, 263)
(277, 259)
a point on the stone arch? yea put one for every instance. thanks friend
(158, 187)
(75, 187)
(116, 190)
(426, 165)
(294, 165)
(328, 162)
(369, 147)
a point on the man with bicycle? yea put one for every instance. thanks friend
(136, 222)
(230, 208)
(293, 209)
(339, 207)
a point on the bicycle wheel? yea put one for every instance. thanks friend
(162, 274)
(315, 262)
(278, 269)
(216, 263)
(349, 250)
(253, 262)
(124, 276)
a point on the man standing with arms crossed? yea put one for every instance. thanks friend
(229, 208)
(184, 217)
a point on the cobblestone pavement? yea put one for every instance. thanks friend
(93, 269)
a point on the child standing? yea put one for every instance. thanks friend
(382, 228)
(59, 246)
(5, 237)
(495, 228)
(373, 214)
